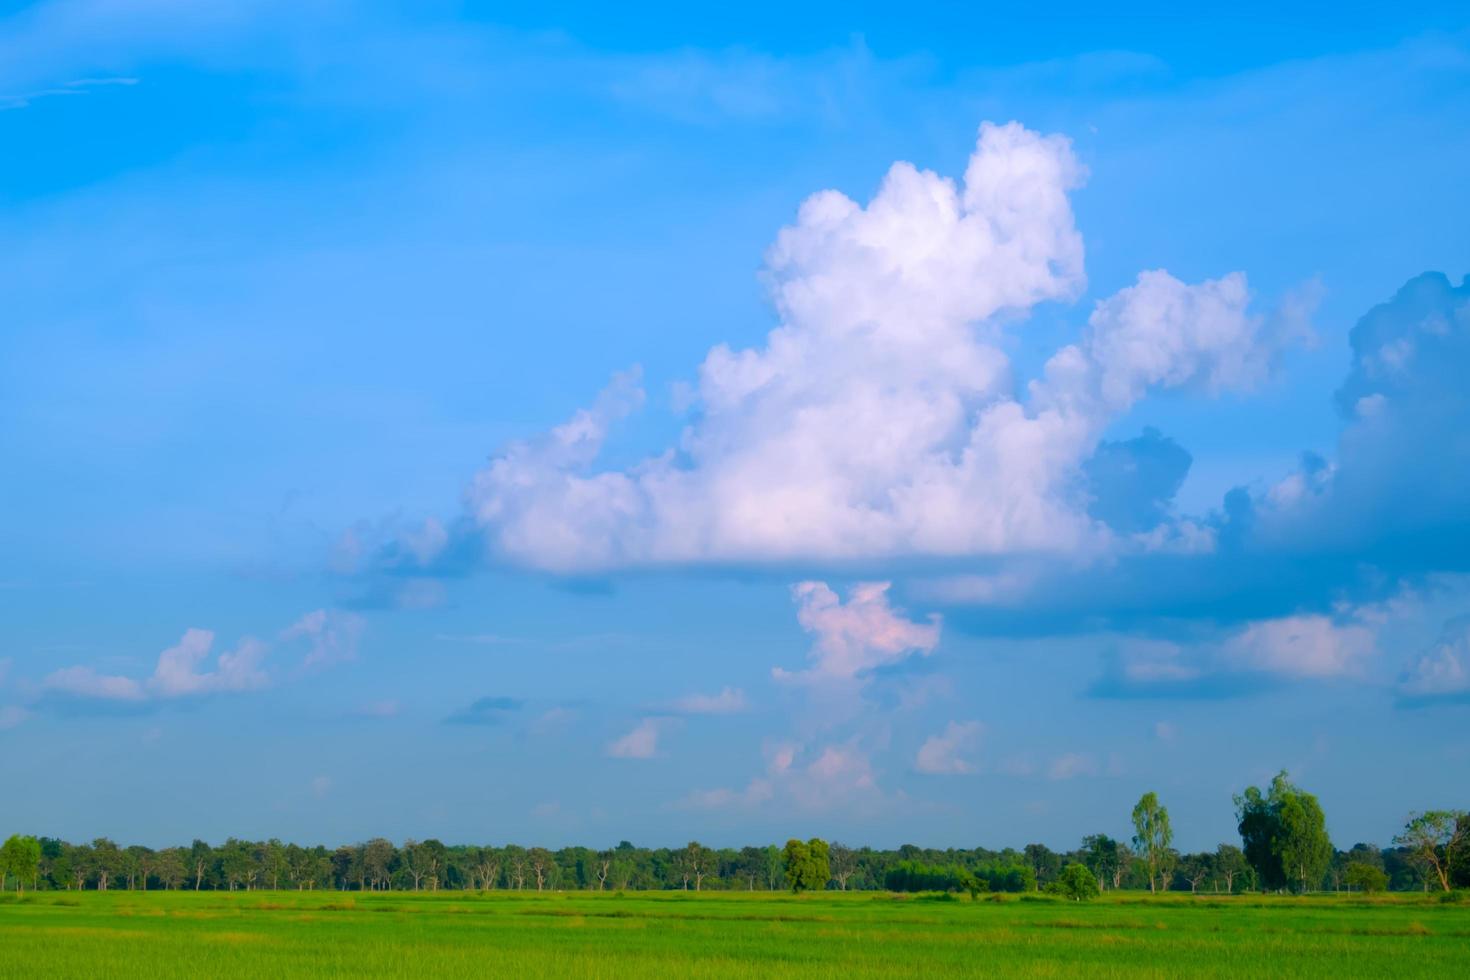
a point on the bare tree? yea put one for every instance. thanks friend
(518, 871)
(1196, 871)
(604, 862)
(489, 868)
(843, 862)
(695, 861)
(540, 859)
(413, 862)
(1125, 856)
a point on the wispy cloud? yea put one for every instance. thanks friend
(486, 711)
(1441, 672)
(642, 742)
(947, 754)
(729, 701)
(80, 86)
(332, 636)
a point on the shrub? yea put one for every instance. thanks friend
(1075, 882)
(915, 876)
(1365, 877)
(1009, 878)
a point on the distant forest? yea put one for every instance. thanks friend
(1284, 847)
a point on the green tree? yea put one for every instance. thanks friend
(277, 862)
(1435, 840)
(433, 856)
(1460, 859)
(21, 858)
(820, 869)
(1044, 861)
(107, 858)
(808, 864)
(797, 855)
(237, 863)
(1365, 877)
(1102, 856)
(1304, 846)
(1284, 833)
(201, 856)
(378, 856)
(1152, 837)
(1075, 881)
(170, 869)
(1195, 868)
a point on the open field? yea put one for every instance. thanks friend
(398, 934)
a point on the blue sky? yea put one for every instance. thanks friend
(492, 422)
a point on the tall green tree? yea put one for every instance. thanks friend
(796, 855)
(820, 869)
(106, 859)
(1304, 846)
(171, 869)
(1152, 837)
(20, 857)
(808, 864)
(1460, 859)
(1284, 834)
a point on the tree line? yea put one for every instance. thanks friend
(1284, 846)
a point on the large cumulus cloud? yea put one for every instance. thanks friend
(881, 419)
(1398, 491)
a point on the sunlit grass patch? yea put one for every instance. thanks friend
(719, 935)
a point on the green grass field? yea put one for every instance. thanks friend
(281, 934)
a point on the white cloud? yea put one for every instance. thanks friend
(729, 701)
(879, 419)
(321, 786)
(1444, 669)
(826, 778)
(84, 682)
(1070, 765)
(993, 589)
(641, 742)
(1147, 661)
(1301, 646)
(1304, 646)
(12, 715)
(944, 754)
(1166, 731)
(332, 636)
(553, 720)
(1163, 333)
(854, 637)
(177, 673)
(837, 769)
